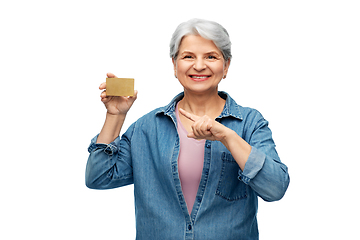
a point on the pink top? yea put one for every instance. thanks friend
(190, 163)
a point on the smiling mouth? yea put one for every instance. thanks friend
(199, 77)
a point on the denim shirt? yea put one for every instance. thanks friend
(227, 199)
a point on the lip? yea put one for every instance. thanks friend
(199, 78)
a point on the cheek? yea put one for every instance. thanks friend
(218, 69)
(182, 68)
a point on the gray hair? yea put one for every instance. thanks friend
(206, 29)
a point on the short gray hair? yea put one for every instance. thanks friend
(206, 29)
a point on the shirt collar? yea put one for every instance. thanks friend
(231, 109)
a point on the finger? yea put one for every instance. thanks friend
(103, 94)
(110, 75)
(203, 132)
(195, 129)
(199, 130)
(103, 97)
(209, 125)
(205, 127)
(188, 115)
(102, 86)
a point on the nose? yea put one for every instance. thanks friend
(199, 65)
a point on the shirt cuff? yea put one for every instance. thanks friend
(109, 149)
(253, 165)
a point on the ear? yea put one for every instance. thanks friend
(174, 63)
(226, 67)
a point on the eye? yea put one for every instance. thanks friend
(212, 57)
(187, 57)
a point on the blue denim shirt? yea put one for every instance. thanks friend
(227, 198)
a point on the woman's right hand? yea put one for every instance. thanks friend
(116, 105)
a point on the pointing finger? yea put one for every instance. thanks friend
(188, 115)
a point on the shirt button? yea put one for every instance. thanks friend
(189, 227)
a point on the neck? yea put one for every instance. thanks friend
(210, 104)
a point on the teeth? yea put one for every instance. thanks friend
(199, 76)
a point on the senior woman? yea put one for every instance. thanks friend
(198, 164)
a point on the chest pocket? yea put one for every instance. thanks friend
(230, 187)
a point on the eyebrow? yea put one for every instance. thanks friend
(186, 52)
(213, 52)
(208, 53)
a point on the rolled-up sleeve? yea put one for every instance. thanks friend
(109, 165)
(264, 172)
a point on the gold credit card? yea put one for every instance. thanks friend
(120, 87)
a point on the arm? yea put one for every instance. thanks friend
(260, 165)
(264, 172)
(111, 129)
(110, 165)
(239, 148)
(109, 162)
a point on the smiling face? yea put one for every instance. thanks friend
(200, 65)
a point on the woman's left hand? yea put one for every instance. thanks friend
(205, 128)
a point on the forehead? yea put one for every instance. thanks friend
(197, 44)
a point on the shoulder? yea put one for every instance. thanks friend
(251, 113)
(148, 118)
(146, 123)
(232, 108)
(251, 121)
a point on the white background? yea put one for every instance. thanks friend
(297, 62)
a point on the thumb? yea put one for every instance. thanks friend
(135, 95)
(191, 135)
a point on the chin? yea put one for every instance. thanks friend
(201, 90)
